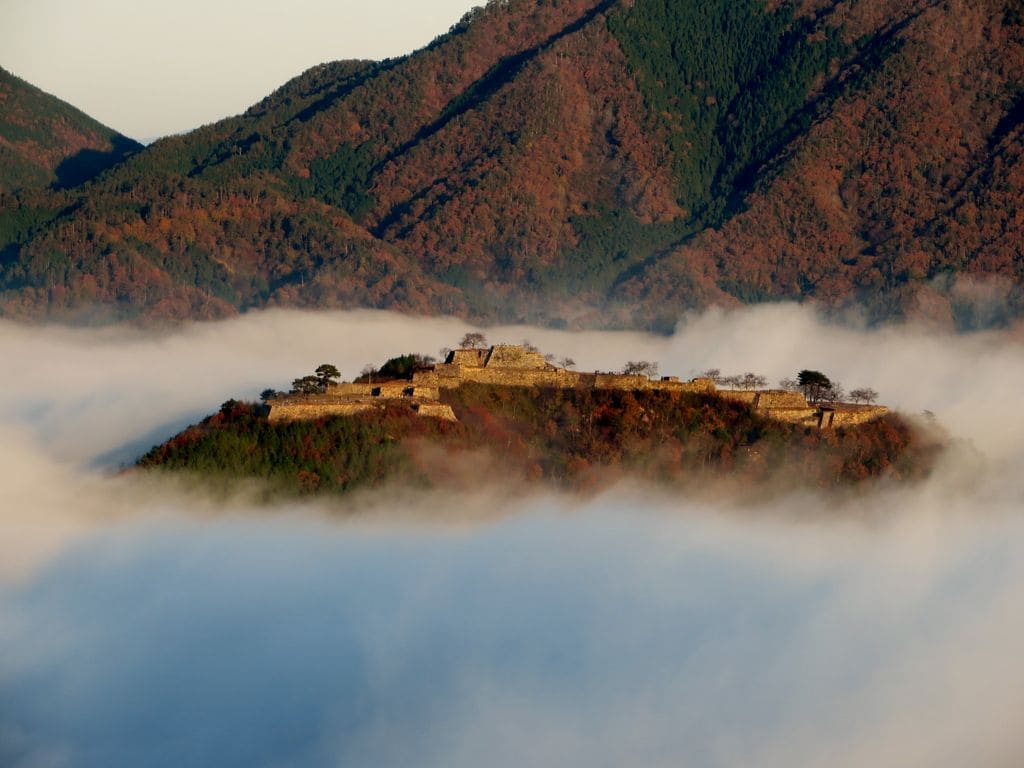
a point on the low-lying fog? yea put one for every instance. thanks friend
(141, 623)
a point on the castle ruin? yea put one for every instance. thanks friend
(512, 365)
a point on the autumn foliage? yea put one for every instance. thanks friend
(582, 439)
(579, 162)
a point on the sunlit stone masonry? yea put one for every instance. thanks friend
(511, 365)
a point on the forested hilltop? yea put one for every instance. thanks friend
(575, 439)
(580, 163)
(509, 413)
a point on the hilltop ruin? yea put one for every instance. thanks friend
(512, 365)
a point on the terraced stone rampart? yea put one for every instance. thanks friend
(516, 366)
(806, 416)
(780, 398)
(307, 410)
(852, 415)
(387, 389)
(738, 395)
(436, 410)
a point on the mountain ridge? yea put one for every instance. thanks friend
(580, 163)
(45, 141)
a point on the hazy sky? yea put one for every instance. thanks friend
(149, 68)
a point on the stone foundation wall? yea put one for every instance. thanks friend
(348, 389)
(765, 399)
(452, 376)
(467, 356)
(793, 408)
(387, 389)
(851, 415)
(522, 377)
(622, 381)
(436, 410)
(514, 356)
(517, 366)
(738, 395)
(807, 416)
(313, 409)
(444, 376)
(780, 398)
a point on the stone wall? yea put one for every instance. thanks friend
(793, 408)
(474, 357)
(436, 410)
(385, 389)
(807, 416)
(322, 406)
(738, 395)
(522, 377)
(351, 390)
(451, 376)
(304, 410)
(851, 415)
(780, 398)
(630, 382)
(516, 366)
(766, 399)
(514, 356)
(444, 376)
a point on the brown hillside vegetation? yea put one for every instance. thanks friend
(44, 141)
(582, 163)
(571, 438)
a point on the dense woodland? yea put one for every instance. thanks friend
(580, 163)
(579, 439)
(45, 142)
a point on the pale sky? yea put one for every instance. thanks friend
(149, 68)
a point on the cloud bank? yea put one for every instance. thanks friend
(141, 623)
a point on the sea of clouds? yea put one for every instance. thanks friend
(144, 623)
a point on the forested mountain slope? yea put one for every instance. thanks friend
(45, 141)
(580, 162)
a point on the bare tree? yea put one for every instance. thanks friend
(864, 395)
(567, 362)
(753, 381)
(736, 380)
(790, 385)
(473, 340)
(423, 362)
(640, 368)
(834, 393)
